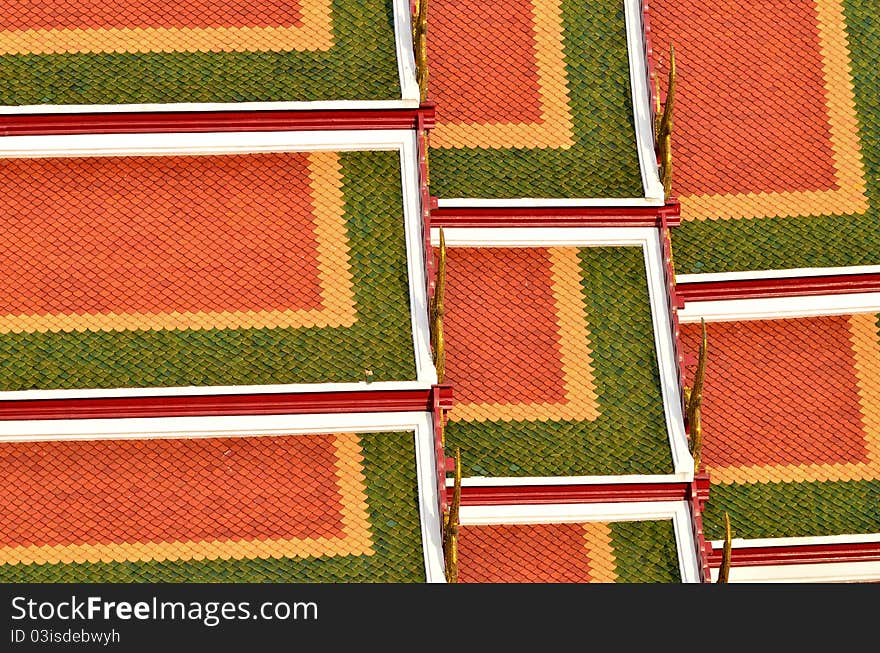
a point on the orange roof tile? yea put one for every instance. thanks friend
(173, 242)
(95, 14)
(536, 553)
(791, 400)
(517, 333)
(581, 552)
(765, 114)
(128, 500)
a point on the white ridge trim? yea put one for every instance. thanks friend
(776, 274)
(677, 511)
(831, 572)
(402, 141)
(406, 60)
(814, 540)
(776, 308)
(641, 98)
(541, 202)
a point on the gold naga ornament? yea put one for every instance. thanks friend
(420, 45)
(451, 526)
(663, 126)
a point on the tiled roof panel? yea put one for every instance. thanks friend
(775, 143)
(203, 270)
(551, 351)
(339, 507)
(551, 93)
(61, 52)
(588, 552)
(791, 424)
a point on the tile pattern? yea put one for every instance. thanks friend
(537, 343)
(127, 509)
(551, 93)
(791, 409)
(64, 52)
(587, 552)
(190, 267)
(804, 193)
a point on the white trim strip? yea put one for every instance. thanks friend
(648, 238)
(541, 202)
(256, 425)
(777, 308)
(402, 141)
(677, 511)
(816, 540)
(334, 105)
(520, 481)
(776, 274)
(641, 98)
(834, 572)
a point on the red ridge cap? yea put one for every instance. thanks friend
(214, 121)
(358, 401)
(835, 284)
(799, 554)
(536, 494)
(565, 216)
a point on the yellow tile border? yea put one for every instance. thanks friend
(865, 344)
(576, 356)
(334, 277)
(850, 197)
(357, 539)
(556, 129)
(315, 34)
(600, 552)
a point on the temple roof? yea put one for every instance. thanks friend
(250, 508)
(791, 425)
(580, 552)
(777, 133)
(525, 90)
(147, 52)
(209, 270)
(552, 354)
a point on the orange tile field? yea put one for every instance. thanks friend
(512, 93)
(167, 499)
(133, 26)
(791, 400)
(764, 110)
(517, 335)
(174, 242)
(537, 553)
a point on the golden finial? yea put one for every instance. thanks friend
(664, 128)
(437, 311)
(420, 45)
(451, 524)
(724, 569)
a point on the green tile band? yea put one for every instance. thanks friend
(763, 510)
(645, 551)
